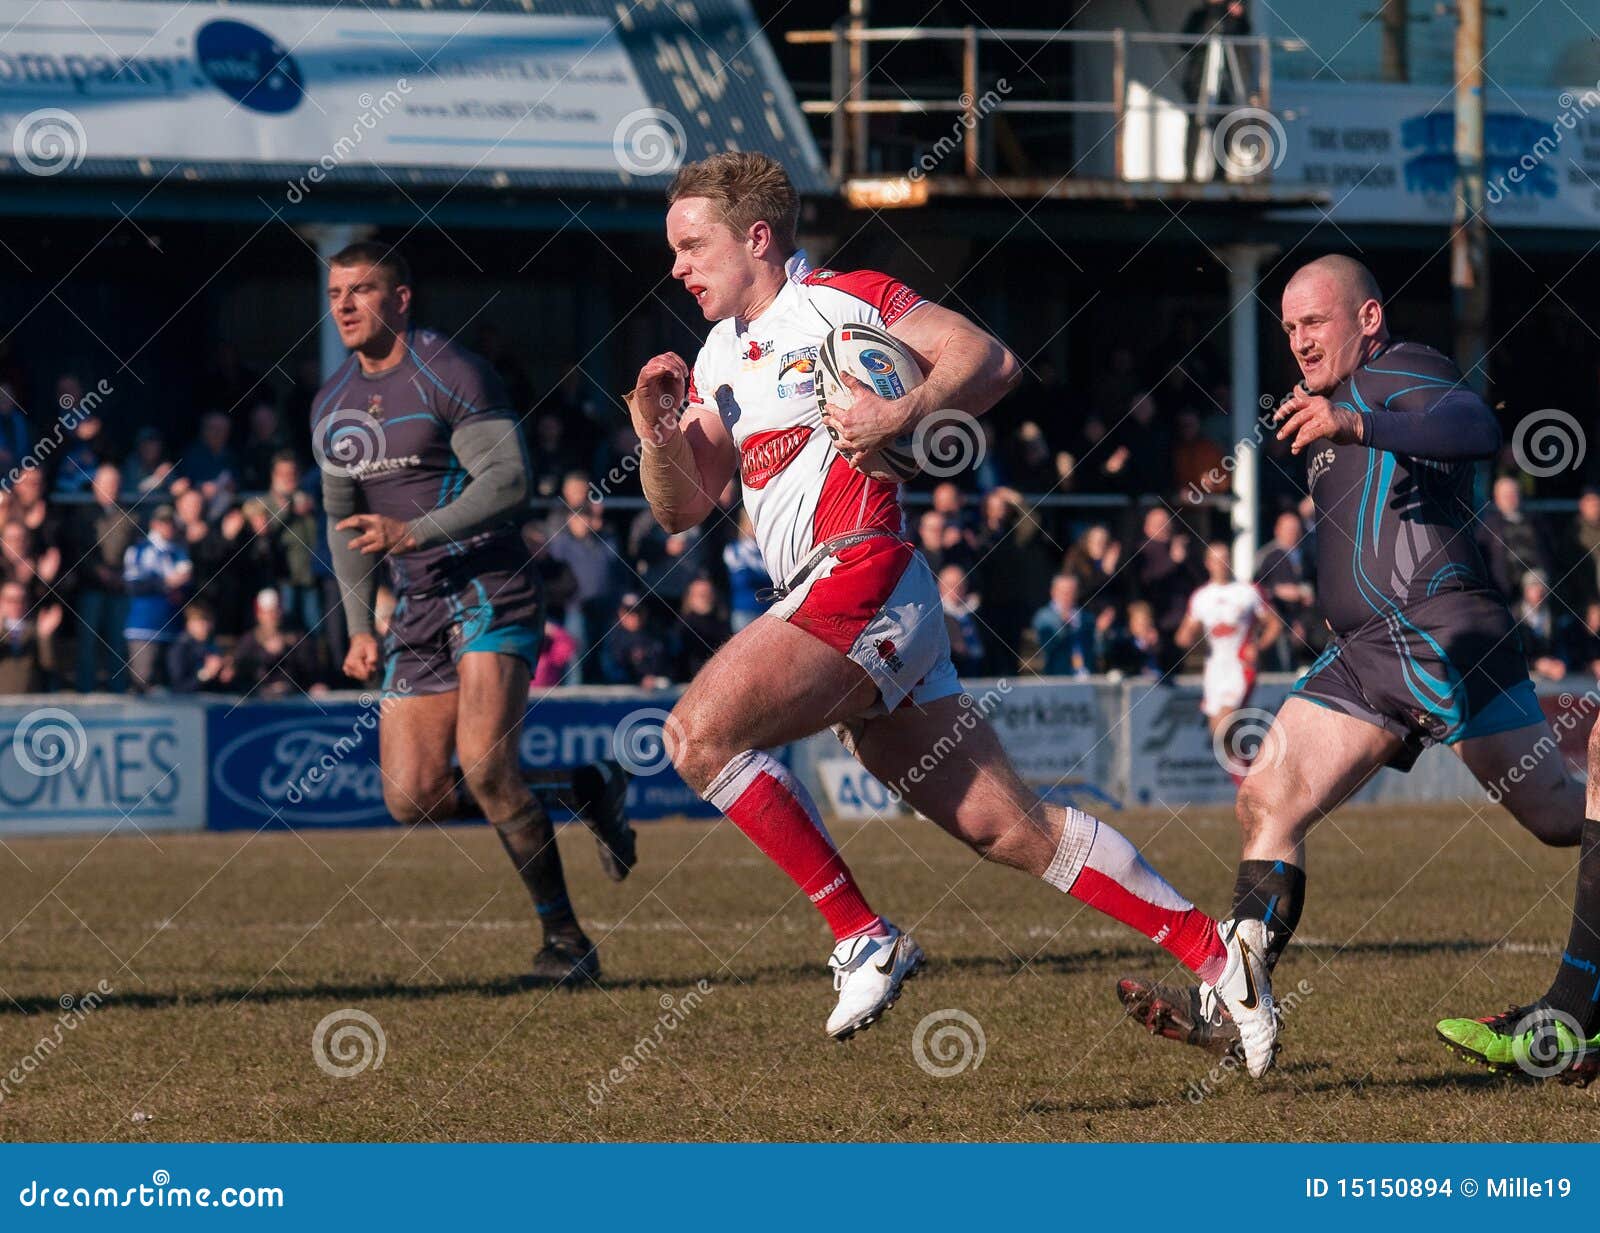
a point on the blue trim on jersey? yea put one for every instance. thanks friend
(422, 367)
(1518, 707)
(1329, 654)
(1439, 576)
(419, 415)
(1430, 385)
(322, 404)
(1385, 482)
(1432, 378)
(1357, 394)
(1447, 698)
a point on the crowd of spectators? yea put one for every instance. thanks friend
(188, 565)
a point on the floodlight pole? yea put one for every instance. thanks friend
(1469, 241)
(1243, 262)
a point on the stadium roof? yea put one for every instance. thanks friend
(541, 95)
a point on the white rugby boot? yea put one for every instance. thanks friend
(1245, 988)
(868, 973)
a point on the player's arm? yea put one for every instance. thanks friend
(356, 573)
(1437, 419)
(1188, 633)
(1269, 628)
(490, 447)
(967, 369)
(686, 454)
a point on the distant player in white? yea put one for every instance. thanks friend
(856, 639)
(1238, 625)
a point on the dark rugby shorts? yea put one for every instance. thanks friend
(1446, 669)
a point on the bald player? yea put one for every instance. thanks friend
(1424, 650)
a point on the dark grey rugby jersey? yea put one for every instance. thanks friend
(1395, 516)
(390, 432)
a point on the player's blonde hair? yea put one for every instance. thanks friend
(747, 188)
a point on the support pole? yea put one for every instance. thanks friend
(1469, 242)
(1244, 378)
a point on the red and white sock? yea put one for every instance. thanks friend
(1095, 863)
(768, 804)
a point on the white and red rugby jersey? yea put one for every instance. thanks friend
(1228, 612)
(761, 376)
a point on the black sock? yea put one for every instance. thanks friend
(1274, 892)
(530, 840)
(1577, 986)
(567, 788)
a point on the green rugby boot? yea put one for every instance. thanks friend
(1534, 1040)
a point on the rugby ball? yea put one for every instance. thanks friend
(880, 361)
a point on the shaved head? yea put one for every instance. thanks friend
(1353, 280)
(1333, 314)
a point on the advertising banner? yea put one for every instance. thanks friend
(318, 86)
(101, 765)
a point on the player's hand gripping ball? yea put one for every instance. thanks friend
(863, 371)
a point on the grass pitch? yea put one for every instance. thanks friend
(222, 953)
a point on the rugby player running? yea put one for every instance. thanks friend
(856, 638)
(423, 466)
(1424, 649)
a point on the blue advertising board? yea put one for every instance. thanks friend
(309, 764)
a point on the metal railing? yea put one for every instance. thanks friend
(853, 99)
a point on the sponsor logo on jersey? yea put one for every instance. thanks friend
(901, 301)
(378, 466)
(1321, 463)
(802, 361)
(798, 389)
(375, 406)
(766, 453)
(887, 653)
(757, 353)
